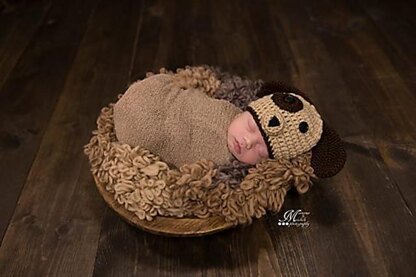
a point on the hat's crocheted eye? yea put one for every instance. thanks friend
(274, 122)
(303, 127)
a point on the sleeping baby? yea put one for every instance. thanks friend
(183, 126)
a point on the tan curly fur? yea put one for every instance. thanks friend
(148, 187)
(193, 77)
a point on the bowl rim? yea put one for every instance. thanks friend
(166, 225)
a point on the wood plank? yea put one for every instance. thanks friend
(29, 96)
(240, 252)
(55, 228)
(152, 52)
(299, 251)
(250, 49)
(235, 41)
(395, 23)
(366, 227)
(361, 221)
(369, 70)
(18, 24)
(373, 71)
(148, 40)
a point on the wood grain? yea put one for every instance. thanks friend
(18, 24)
(327, 62)
(61, 61)
(29, 95)
(56, 224)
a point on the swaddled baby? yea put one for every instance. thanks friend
(183, 126)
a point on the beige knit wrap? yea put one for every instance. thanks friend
(181, 125)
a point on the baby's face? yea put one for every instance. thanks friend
(245, 141)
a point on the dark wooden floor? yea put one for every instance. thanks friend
(61, 61)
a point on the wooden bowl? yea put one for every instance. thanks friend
(167, 226)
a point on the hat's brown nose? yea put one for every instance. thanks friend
(287, 102)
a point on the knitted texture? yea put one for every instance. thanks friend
(287, 132)
(329, 154)
(147, 186)
(181, 124)
(195, 77)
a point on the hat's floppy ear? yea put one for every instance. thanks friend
(279, 87)
(328, 155)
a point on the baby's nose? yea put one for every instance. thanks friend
(249, 142)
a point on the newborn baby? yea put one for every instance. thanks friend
(185, 125)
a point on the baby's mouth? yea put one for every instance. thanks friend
(237, 147)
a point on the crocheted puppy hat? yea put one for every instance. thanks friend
(291, 125)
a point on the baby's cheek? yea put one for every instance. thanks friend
(254, 156)
(235, 131)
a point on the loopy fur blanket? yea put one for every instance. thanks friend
(147, 186)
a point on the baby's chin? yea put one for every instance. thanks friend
(235, 156)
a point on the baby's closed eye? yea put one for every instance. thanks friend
(251, 126)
